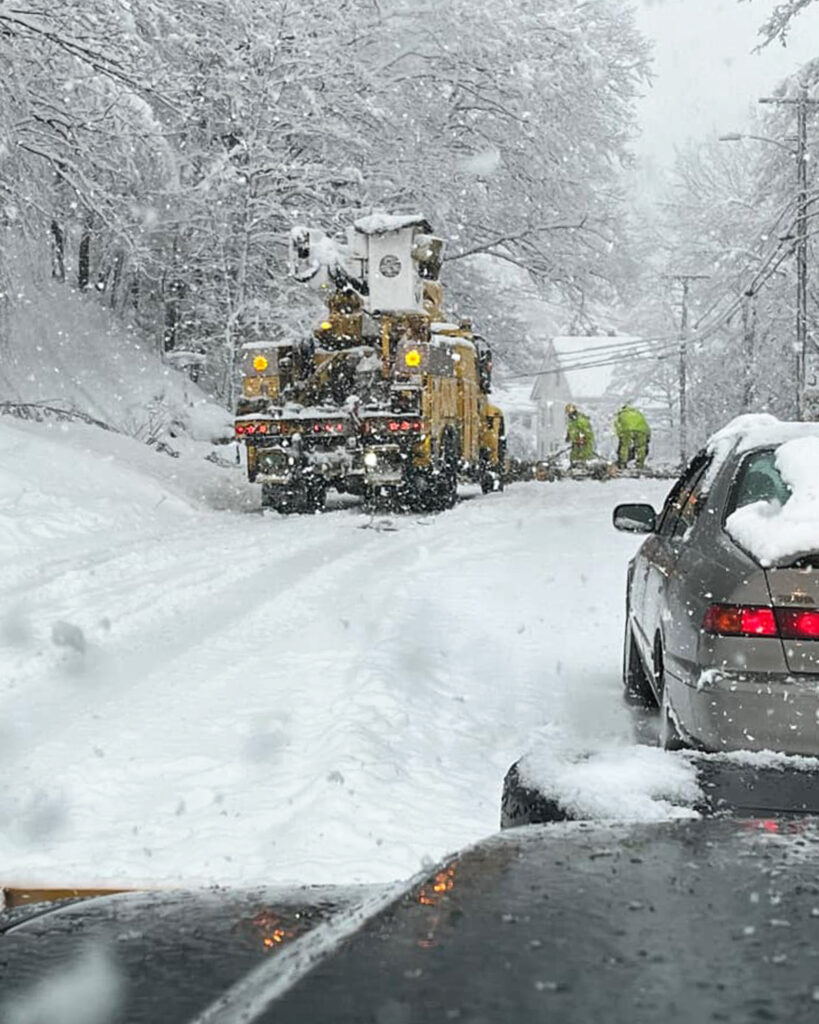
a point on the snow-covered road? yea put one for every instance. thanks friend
(191, 691)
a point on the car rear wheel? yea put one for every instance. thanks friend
(637, 689)
(670, 736)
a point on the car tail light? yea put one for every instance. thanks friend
(798, 624)
(240, 428)
(740, 620)
(316, 428)
(250, 428)
(262, 428)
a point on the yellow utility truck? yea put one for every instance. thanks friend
(385, 398)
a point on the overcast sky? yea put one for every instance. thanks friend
(707, 75)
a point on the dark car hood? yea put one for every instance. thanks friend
(696, 921)
(171, 953)
(688, 921)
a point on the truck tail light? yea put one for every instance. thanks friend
(256, 428)
(740, 620)
(395, 426)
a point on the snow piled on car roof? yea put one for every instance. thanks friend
(773, 533)
(758, 430)
(747, 432)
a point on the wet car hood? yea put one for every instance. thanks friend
(172, 953)
(687, 921)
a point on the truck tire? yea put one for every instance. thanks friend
(448, 474)
(491, 480)
(305, 495)
(281, 498)
(383, 499)
(315, 494)
(421, 491)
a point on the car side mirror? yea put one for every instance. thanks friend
(635, 518)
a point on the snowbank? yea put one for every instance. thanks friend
(66, 349)
(775, 533)
(60, 481)
(617, 783)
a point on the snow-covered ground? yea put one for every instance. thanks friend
(191, 691)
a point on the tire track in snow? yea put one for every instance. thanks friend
(379, 696)
(164, 600)
(208, 638)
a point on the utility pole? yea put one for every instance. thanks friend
(803, 354)
(685, 280)
(749, 345)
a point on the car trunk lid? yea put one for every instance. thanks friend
(795, 594)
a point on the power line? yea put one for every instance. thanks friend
(639, 349)
(607, 359)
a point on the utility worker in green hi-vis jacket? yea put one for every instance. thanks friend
(633, 435)
(579, 434)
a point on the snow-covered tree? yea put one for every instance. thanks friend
(777, 26)
(164, 152)
(731, 216)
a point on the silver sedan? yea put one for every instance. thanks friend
(725, 641)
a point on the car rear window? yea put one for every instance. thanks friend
(758, 480)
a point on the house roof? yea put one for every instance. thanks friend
(513, 396)
(587, 362)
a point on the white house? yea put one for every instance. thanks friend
(520, 414)
(580, 369)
